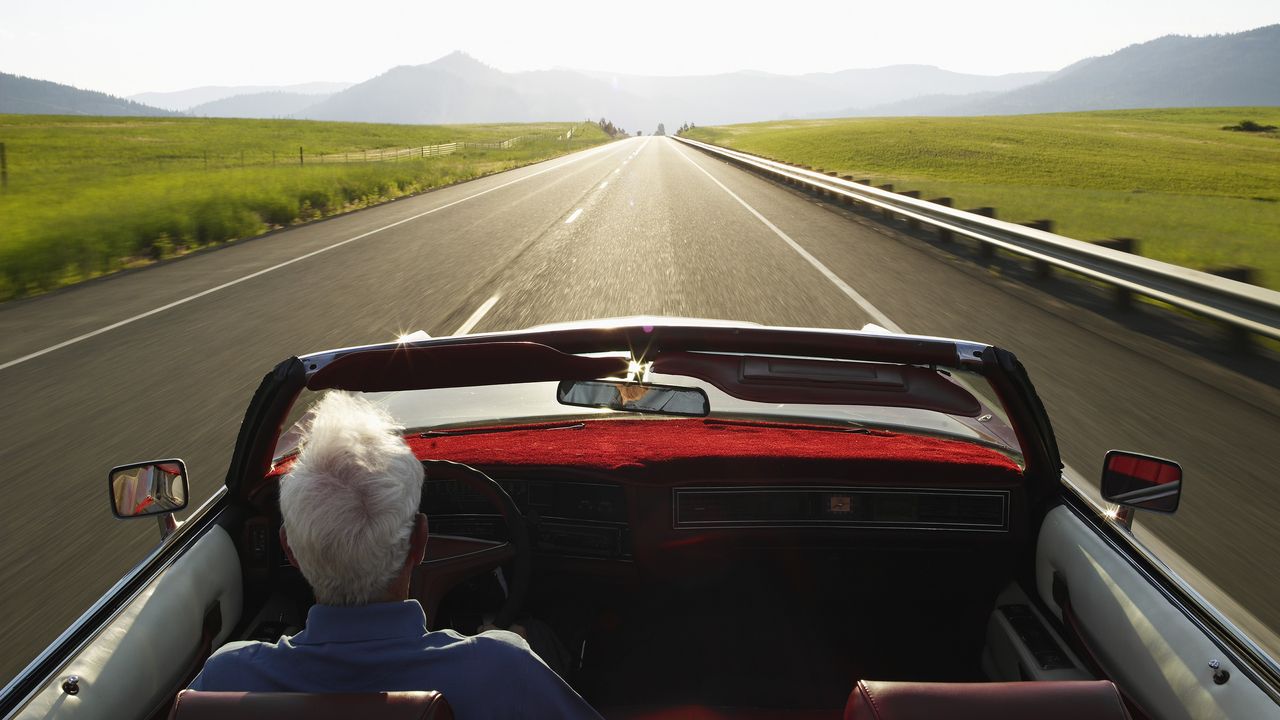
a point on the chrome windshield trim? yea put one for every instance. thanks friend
(968, 353)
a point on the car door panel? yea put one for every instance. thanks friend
(136, 663)
(1145, 643)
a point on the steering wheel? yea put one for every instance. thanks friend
(451, 559)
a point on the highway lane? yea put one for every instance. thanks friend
(639, 226)
(177, 382)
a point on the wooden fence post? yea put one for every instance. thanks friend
(985, 250)
(1122, 244)
(4, 167)
(886, 212)
(831, 193)
(300, 161)
(1043, 269)
(1239, 273)
(846, 199)
(1121, 296)
(912, 223)
(944, 234)
(1240, 339)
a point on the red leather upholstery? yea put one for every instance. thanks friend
(193, 705)
(1065, 700)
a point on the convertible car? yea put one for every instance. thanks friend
(712, 520)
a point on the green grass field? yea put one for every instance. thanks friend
(88, 196)
(1192, 193)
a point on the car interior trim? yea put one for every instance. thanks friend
(682, 498)
(24, 686)
(1153, 648)
(1234, 645)
(174, 601)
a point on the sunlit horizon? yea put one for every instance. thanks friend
(138, 46)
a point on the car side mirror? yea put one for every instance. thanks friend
(156, 487)
(1141, 482)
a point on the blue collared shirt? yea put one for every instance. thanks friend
(385, 647)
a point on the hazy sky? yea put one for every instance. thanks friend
(130, 46)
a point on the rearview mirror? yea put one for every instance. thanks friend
(1141, 481)
(635, 397)
(157, 487)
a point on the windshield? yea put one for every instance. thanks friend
(519, 403)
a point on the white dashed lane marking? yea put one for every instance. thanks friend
(477, 315)
(880, 318)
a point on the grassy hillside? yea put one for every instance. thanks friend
(88, 196)
(1191, 192)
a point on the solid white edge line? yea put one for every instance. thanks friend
(477, 316)
(286, 263)
(877, 316)
(573, 216)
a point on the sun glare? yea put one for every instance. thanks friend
(403, 337)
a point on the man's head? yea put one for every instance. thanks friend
(350, 504)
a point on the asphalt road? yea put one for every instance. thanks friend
(641, 226)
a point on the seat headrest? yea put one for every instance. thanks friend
(196, 705)
(1065, 700)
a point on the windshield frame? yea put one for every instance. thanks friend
(265, 418)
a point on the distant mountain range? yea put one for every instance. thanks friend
(459, 89)
(1173, 71)
(274, 104)
(186, 100)
(27, 96)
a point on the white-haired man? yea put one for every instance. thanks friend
(352, 526)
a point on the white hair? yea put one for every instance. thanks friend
(350, 501)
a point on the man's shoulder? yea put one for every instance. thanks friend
(243, 649)
(228, 665)
(502, 646)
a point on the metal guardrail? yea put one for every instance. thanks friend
(1240, 305)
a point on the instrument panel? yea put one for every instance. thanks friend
(580, 518)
